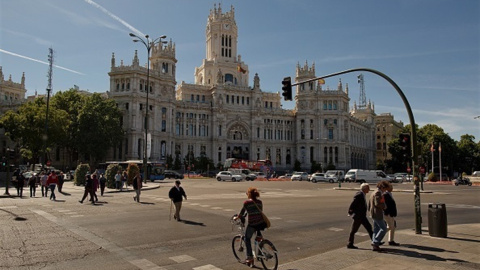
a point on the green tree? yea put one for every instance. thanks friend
(72, 102)
(468, 154)
(297, 166)
(169, 162)
(99, 128)
(433, 134)
(26, 127)
(177, 165)
(316, 167)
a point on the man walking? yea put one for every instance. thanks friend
(175, 194)
(358, 212)
(376, 207)
(118, 179)
(52, 182)
(137, 186)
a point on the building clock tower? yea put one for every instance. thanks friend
(221, 55)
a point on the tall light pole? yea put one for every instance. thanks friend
(148, 45)
(413, 133)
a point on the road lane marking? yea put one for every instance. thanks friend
(207, 267)
(182, 258)
(335, 229)
(9, 207)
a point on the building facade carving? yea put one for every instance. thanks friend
(220, 116)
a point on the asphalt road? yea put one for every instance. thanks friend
(118, 233)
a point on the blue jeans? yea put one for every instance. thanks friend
(379, 231)
(52, 194)
(248, 238)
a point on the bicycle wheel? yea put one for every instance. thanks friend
(238, 247)
(268, 256)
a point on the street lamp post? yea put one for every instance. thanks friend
(148, 45)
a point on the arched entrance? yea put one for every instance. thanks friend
(238, 144)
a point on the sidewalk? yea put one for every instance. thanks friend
(68, 185)
(460, 250)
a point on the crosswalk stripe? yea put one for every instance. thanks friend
(182, 258)
(207, 267)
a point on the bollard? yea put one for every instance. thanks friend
(339, 184)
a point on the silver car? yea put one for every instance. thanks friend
(299, 176)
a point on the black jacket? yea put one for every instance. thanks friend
(391, 209)
(176, 194)
(358, 207)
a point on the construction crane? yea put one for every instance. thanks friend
(362, 103)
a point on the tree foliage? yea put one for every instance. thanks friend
(84, 124)
(26, 127)
(461, 156)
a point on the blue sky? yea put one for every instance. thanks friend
(430, 48)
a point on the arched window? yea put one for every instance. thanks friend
(229, 78)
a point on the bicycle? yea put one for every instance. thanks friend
(263, 251)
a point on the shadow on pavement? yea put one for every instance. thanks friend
(189, 222)
(425, 248)
(416, 254)
(17, 217)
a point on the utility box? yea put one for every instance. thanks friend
(437, 220)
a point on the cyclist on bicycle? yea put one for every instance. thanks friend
(252, 207)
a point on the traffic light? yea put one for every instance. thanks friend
(4, 161)
(405, 144)
(11, 154)
(287, 88)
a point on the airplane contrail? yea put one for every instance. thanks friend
(39, 61)
(115, 17)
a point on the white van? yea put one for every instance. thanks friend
(365, 176)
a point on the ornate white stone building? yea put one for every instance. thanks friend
(12, 95)
(221, 116)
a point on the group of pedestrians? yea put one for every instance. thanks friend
(92, 183)
(48, 180)
(381, 207)
(121, 180)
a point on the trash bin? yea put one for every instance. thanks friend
(437, 220)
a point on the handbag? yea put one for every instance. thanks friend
(265, 218)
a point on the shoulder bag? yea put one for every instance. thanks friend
(265, 219)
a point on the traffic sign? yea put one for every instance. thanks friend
(409, 170)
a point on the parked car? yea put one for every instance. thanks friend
(286, 176)
(335, 176)
(476, 173)
(228, 176)
(172, 174)
(299, 176)
(260, 175)
(317, 177)
(399, 177)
